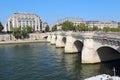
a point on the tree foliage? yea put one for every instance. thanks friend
(54, 28)
(22, 33)
(81, 27)
(67, 25)
(95, 28)
(90, 29)
(29, 29)
(47, 28)
(106, 29)
(1, 27)
(17, 32)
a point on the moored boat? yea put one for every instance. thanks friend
(103, 77)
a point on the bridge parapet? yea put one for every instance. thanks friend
(63, 33)
(83, 35)
(108, 34)
(107, 40)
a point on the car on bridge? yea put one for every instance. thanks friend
(105, 37)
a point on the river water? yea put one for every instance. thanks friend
(42, 61)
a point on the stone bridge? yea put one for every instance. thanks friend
(94, 47)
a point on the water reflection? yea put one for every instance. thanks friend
(42, 61)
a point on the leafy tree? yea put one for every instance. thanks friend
(78, 28)
(21, 33)
(54, 28)
(26, 30)
(24, 34)
(106, 29)
(67, 25)
(83, 27)
(90, 29)
(99, 29)
(47, 28)
(119, 29)
(115, 29)
(95, 28)
(29, 29)
(17, 32)
(1, 27)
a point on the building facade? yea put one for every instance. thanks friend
(118, 24)
(75, 21)
(23, 20)
(101, 24)
(45, 24)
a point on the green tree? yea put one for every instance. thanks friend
(47, 28)
(1, 27)
(78, 28)
(115, 29)
(67, 25)
(25, 31)
(54, 28)
(95, 28)
(17, 32)
(90, 29)
(29, 29)
(119, 29)
(83, 27)
(106, 29)
(22, 33)
(99, 29)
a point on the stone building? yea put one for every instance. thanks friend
(23, 20)
(101, 24)
(75, 21)
(118, 24)
(45, 24)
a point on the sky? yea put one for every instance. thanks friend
(52, 10)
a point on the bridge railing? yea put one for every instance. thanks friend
(88, 34)
(108, 34)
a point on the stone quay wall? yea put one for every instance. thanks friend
(32, 36)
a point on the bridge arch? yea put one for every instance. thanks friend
(78, 45)
(60, 41)
(107, 53)
(55, 37)
(64, 40)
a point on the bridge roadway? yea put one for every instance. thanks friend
(94, 47)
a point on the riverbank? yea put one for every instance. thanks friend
(23, 41)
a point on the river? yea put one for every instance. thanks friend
(42, 61)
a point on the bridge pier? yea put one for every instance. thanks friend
(49, 38)
(89, 53)
(53, 39)
(59, 42)
(69, 46)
